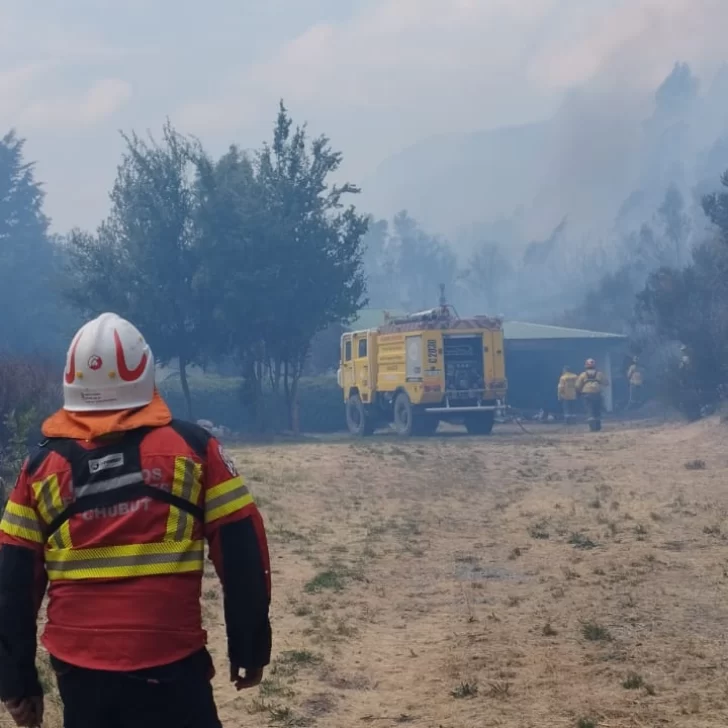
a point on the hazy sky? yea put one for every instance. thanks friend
(376, 75)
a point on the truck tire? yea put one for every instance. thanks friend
(404, 415)
(480, 423)
(357, 419)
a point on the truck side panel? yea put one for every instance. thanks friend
(391, 362)
(347, 365)
(362, 379)
(413, 350)
(495, 370)
(433, 381)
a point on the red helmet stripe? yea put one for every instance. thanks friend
(128, 375)
(70, 375)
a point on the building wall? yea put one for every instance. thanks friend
(533, 369)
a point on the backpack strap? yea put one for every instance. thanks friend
(109, 475)
(196, 437)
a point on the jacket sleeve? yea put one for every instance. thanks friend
(562, 388)
(580, 381)
(22, 586)
(239, 550)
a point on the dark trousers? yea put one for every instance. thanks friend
(593, 403)
(635, 396)
(172, 696)
(569, 410)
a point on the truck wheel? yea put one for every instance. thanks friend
(480, 423)
(404, 415)
(357, 419)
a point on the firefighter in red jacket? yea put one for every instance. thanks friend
(112, 513)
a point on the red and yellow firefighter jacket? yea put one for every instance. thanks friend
(112, 513)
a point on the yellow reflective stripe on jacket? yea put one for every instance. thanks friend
(50, 505)
(22, 522)
(226, 498)
(129, 560)
(187, 485)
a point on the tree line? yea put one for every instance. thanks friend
(241, 262)
(241, 259)
(238, 262)
(670, 310)
(663, 283)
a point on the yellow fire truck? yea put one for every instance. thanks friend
(418, 370)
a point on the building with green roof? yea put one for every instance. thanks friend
(536, 355)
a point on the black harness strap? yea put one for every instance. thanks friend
(195, 436)
(122, 495)
(109, 475)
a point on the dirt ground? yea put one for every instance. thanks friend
(554, 579)
(561, 579)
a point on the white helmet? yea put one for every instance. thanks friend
(108, 367)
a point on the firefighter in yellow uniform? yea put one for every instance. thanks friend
(567, 394)
(589, 386)
(636, 381)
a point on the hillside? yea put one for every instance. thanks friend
(461, 177)
(605, 156)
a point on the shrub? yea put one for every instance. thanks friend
(29, 391)
(221, 400)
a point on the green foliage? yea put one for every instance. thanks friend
(715, 206)
(610, 304)
(221, 401)
(143, 259)
(487, 271)
(691, 306)
(405, 265)
(29, 391)
(379, 263)
(595, 632)
(29, 261)
(677, 91)
(325, 353)
(244, 258)
(283, 257)
(18, 427)
(676, 222)
(608, 307)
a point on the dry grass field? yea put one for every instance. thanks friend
(520, 581)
